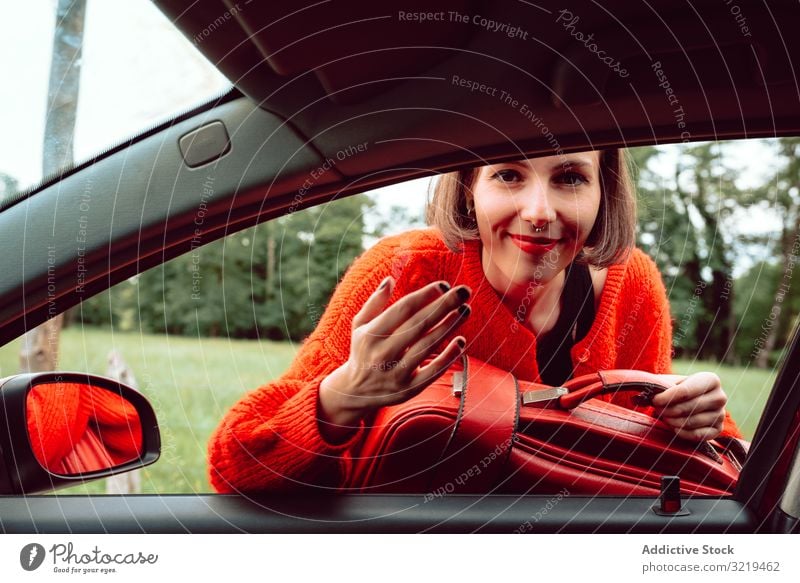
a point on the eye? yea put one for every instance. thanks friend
(571, 178)
(507, 176)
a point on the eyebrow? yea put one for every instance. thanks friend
(573, 163)
(568, 163)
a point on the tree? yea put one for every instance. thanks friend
(671, 240)
(784, 193)
(315, 247)
(713, 196)
(757, 315)
(271, 281)
(686, 223)
(40, 346)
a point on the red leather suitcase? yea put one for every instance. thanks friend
(478, 429)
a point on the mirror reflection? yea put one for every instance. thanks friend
(76, 428)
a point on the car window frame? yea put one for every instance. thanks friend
(751, 494)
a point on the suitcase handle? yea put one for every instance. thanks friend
(588, 386)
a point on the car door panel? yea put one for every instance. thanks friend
(364, 514)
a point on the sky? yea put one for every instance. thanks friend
(137, 70)
(132, 57)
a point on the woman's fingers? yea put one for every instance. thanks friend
(421, 349)
(430, 316)
(406, 307)
(706, 419)
(683, 390)
(375, 303)
(694, 407)
(434, 369)
(711, 401)
(699, 391)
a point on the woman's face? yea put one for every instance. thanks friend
(559, 194)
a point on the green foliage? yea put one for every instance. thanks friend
(271, 281)
(313, 250)
(765, 299)
(687, 225)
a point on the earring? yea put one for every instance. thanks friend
(470, 206)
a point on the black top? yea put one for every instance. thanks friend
(574, 322)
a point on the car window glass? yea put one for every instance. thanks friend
(202, 330)
(720, 219)
(100, 76)
(197, 332)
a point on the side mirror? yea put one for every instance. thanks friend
(62, 429)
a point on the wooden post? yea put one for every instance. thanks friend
(129, 482)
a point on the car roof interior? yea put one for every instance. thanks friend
(353, 72)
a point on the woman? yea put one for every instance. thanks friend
(529, 266)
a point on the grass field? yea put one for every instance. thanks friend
(191, 382)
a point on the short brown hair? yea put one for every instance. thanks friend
(611, 239)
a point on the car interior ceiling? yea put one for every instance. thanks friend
(368, 78)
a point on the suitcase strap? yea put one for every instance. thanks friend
(483, 434)
(588, 386)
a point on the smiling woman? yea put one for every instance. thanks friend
(556, 210)
(542, 249)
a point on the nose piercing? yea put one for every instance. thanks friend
(538, 229)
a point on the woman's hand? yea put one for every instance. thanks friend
(694, 406)
(387, 347)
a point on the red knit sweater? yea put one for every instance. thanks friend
(270, 439)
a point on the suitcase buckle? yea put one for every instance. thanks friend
(458, 383)
(543, 397)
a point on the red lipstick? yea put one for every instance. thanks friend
(534, 245)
